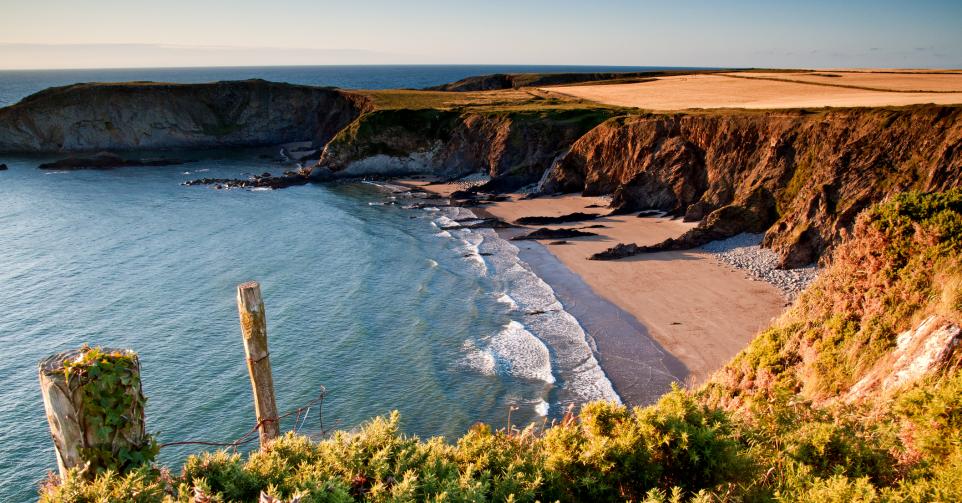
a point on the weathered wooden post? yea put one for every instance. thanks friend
(253, 324)
(95, 408)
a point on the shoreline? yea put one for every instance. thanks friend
(639, 369)
(699, 311)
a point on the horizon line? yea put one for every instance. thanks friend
(569, 65)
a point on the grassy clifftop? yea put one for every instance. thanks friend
(789, 419)
(511, 135)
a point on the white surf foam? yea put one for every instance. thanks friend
(477, 359)
(470, 249)
(542, 408)
(506, 299)
(544, 341)
(443, 221)
(520, 354)
(572, 358)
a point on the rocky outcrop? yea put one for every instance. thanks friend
(146, 115)
(106, 160)
(513, 147)
(799, 176)
(561, 219)
(263, 181)
(546, 233)
(918, 352)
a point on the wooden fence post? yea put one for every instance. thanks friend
(95, 408)
(253, 324)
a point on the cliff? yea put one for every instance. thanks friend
(513, 146)
(147, 115)
(855, 394)
(800, 176)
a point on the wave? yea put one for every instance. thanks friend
(582, 378)
(443, 221)
(543, 341)
(506, 299)
(479, 360)
(519, 353)
(542, 408)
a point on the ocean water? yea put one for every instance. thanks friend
(372, 300)
(364, 297)
(17, 84)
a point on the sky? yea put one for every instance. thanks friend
(798, 34)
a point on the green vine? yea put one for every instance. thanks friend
(111, 398)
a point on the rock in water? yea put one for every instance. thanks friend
(3, 167)
(105, 160)
(254, 182)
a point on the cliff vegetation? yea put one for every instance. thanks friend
(513, 136)
(855, 394)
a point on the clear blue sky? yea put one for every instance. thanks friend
(98, 33)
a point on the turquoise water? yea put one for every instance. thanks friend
(369, 299)
(130, 258)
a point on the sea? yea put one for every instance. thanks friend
(373, 299)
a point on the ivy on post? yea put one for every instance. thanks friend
(253, 322)
(95, 409)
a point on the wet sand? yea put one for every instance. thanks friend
(640, 369)
(702, 312)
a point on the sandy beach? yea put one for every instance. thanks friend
(769, 90)
(701, 311)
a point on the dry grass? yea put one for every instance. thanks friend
(731, 91)
(942, 82)
(502, 100)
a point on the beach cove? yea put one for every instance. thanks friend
(662, 318)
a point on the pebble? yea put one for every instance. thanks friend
(473, 180)
(744, 252)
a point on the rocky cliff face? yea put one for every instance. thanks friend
(513, 147)
(800, 176)
(128, 116)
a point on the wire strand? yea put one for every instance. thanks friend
(252, 434)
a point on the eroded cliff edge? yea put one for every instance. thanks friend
(514, 147)
(799, 176)
(149, 115)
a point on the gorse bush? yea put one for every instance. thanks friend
(777, 424)
(607, 453)
(901, 264)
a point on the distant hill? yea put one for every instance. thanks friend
(517, 80)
